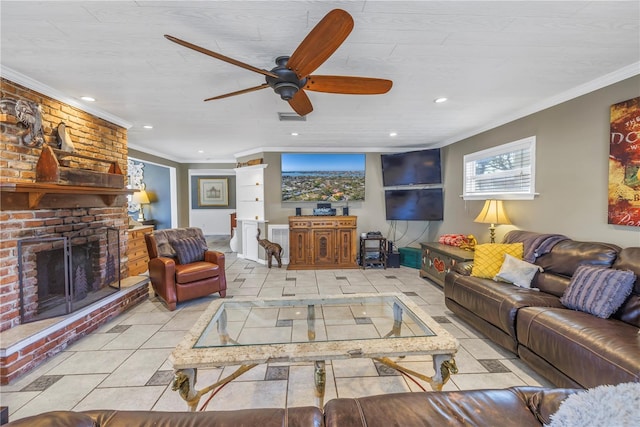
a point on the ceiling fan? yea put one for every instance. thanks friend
(292, 74)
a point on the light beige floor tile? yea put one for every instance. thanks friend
(121, 398)
(369, 386)
(60, 396)
(16, 400)
(250, 394)
(164, 339)
(153, 318)
(182, 321)
(133, 337)
(137, 369)
(256, 373)
(466, 363)
(525, 373)
(481, 348)
(92, 362)
(93, 341)
(354, 368)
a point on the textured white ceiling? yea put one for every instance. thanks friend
(495, 61)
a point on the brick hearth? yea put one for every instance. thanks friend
(96, 142)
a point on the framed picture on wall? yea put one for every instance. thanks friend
(213, 192)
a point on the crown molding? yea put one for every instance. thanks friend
(623, 73)
(44, 89)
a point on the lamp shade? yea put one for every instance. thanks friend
(493, 213)
(140, 197)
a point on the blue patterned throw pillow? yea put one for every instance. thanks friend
(188, 250)
(598, 291)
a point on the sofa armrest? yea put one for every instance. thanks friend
(162, 272)
(215, 257)
(546, 402)
(463, 268)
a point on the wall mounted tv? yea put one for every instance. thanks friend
(316, 177)
(415, 204)
(411, 168)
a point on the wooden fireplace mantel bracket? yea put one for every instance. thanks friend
(23, 196)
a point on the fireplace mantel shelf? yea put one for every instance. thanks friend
(34, 195)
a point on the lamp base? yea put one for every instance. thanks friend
(492, 233)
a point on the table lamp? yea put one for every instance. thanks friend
(492, 213)
(141, 198)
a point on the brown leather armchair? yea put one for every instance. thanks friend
(175, 281)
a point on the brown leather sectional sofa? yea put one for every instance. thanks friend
(517, 406)
(570, 348)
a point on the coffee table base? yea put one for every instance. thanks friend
(184, 382)
(185, 379)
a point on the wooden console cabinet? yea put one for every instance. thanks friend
(439, 259)
(322, 242)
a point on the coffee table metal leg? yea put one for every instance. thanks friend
(185, 382)
(444, 365)
(320, 378)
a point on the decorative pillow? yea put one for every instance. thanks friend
(516, 271)
(598, 291)
(188, 250)
(604, 405)
(488, 258)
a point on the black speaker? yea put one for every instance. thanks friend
(393, 260)
(345, 210)
(389, 246)
(298, 211)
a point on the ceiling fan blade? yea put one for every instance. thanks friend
(220, 56)
(239, 92)
(321, 42)
(348, 85)
(301, 103)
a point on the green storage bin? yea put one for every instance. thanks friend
(411, 257)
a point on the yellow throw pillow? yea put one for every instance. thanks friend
(488, 258)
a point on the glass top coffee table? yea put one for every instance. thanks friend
(252, 331)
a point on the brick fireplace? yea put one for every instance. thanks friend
(40, 218)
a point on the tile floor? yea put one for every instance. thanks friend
(123, 365)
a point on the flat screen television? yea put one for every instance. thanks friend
(424, 204)
(319, 177)
(411, 168)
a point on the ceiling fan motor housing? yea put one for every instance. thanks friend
(287, 83)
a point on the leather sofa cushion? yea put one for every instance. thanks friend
(589, 350)
(507, 407)
(495, 302)
(269, 417)
(567, 255)
(188, 273)
(629, 259)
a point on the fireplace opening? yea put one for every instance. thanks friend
(59, 275)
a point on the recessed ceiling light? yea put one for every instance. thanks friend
(147, 127)
(294, 134)
(200, 151)
(440, 100)
(393, 133)
(87, 98)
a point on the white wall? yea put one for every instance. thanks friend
(571, 176)
(211, 221)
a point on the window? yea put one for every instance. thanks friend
(503, 172)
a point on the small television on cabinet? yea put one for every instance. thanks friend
(322, 177)
(425, 204)
(411, 168)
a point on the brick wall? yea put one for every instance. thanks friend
(92, 137)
